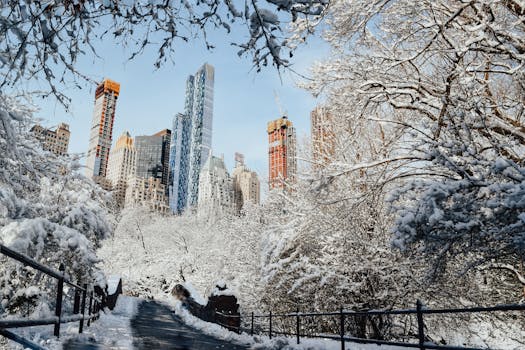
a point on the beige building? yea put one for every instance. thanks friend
(215, 189)
(323, 137)
(55, 141)
(246, 184)
(121, 166)
(150, 193)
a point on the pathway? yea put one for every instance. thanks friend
(155, 326)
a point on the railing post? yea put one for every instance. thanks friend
(420, 325)
(90, 308)
(297, 327)
(270, 325)
(252, 323)
(58, 305)
(83, 309)
(76, 302)
(342, 328)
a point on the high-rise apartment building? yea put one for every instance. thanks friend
(55, 141)
(281, 153)
(323, 137)
(106, 96)
(215, 189)
(153, 155)
(179, 161)
(246, 185)
(121, 166)
(191, 139)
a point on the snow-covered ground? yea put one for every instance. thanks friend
(112, 329)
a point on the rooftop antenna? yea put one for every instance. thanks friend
(278, 103)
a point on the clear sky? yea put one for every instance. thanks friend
(243, 99)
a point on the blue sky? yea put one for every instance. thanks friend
(243, 103)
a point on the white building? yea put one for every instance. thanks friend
(246, 184)
(215, 189)
(121, 166)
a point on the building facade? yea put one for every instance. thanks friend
(246, 184)
(179, 162)
(165, 157)
(215, 189)
(148, 161)
(281, 153)
(106, 96)
(150, 193)
(191, 139)
(121, 166)
(56, 141)
(323, 137)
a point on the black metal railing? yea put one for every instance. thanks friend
(81, 294)
(295, 320)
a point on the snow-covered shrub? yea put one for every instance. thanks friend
(48, 211)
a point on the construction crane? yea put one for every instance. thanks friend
(278, 103)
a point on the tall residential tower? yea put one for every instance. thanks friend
(191, 139)
(106, 96)
(281, 152)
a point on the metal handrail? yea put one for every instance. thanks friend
(419, 311)
(79, 308)
(477, 309)
(27, 261)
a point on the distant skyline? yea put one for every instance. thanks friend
(243, 104)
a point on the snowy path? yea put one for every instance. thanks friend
(155, 326)
(152, 326)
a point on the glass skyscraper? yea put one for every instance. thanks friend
(148, 161)
(191, 139)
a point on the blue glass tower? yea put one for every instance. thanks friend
(191, 139)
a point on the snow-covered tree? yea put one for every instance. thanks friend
(48, 211)
(153, 252)
(44, 39)
(445, 81)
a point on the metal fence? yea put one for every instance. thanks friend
(264, 324)
(80, 303)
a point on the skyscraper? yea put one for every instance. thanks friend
(152, 156)
(201, 128)
(106, 96)
(246, 185)
(121, 166)
(191, 139)
(281, 153)
(179, 162)
(165, 158)
(323, 137)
